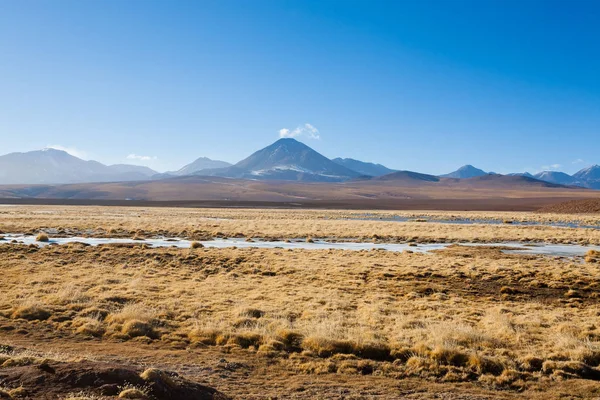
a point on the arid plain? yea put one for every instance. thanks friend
(462, 322)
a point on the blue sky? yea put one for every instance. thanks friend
(419, 85)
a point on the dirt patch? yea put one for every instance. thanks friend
(51, 380)
(587, 206)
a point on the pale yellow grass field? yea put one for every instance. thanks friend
(278, 224)
(458, 315)
(463, 314)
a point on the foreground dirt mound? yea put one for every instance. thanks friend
(51, 380)
(574, 207)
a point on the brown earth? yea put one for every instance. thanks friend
(48, 379)
(443, 204)
(588, 206)
(489, 193)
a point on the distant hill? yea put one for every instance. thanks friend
(515, 181)
(464, 172)
(407, 176)
(393, 190)
(132, 169)
(590, 176)
(200, 164)
(363, 168)
(527, 174)
(286, 159)
(50, 166)
(557, 177)
(586, 206)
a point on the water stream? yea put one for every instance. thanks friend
(563, 250)
(471, 221)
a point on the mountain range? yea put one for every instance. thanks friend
(464, 172)
(363, 168)
(57, 166)
(586, 178)
(285, 160)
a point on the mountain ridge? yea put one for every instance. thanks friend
(52, 166)
(465, 172)
(286, 159)
(362, 167)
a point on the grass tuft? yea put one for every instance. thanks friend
(42, 237)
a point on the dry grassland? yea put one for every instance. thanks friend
(281, 224)
(501, 324)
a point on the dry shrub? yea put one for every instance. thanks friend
(324, 347)
(42, 237)
(18, 393)
(531, 363)
(373, 351)
(133, 393)
(592, 256)
(156, 375)
(20, 361)
(401, 354)
(508, 377)
(196, 245)
(31, 311)
(89, 326)
(244, 323)
(251, 313)
(418, 365)
(94, 312)
(508, 290)
(134, 320)
(270, 349)
(462, 335)
(292, 340)
(245, 339)
(206, 336)
(574, 368)
(485, 365)
(68, 295)
(363, 367)
(133, 311)
(136, 328)
(81, 396)
(449, 356)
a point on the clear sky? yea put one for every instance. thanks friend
(505, 85)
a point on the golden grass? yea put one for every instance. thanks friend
(199, 224)
(396, 313)
(133, 393)
(42, 237)
(462, 314)
(592, 256)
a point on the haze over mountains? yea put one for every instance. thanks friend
(587, 178)
(288, 160)
(199, 164)
(363, 168)
(57, 166)
(466, 171)
(285, 160)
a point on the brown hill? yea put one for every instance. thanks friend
(407, 177)
(401, 190)
(587, 206)
(510, 181)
